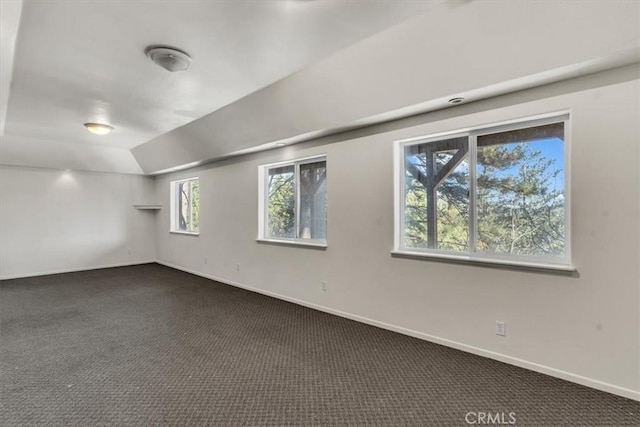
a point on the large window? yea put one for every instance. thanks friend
(491, 194)
(185, 206)
(293, 201)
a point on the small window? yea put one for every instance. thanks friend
(494, 193)
(293, 201)
(185, 206)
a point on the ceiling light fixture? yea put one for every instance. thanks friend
(169, 58)
(281, 144)
(454, 101)
(98, 128)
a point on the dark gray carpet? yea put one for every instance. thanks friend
(149, 345)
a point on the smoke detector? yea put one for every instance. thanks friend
(169, 58)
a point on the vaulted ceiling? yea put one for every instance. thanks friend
(268, 71)
(78, 62)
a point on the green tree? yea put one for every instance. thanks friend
(281, 208)
(195, 205)
(452, 206)
(519, 199)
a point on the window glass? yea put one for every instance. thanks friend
(313, 201)
(520, 192)
(295, 201)
(436, 205)
(498, 193)
(281, 202)
(185, 205)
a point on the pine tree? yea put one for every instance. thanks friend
(519, 196)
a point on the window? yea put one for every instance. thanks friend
(491, 194)
(293, 201)
(185, 206)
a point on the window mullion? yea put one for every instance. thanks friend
(473, 222)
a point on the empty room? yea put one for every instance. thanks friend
(320, 213)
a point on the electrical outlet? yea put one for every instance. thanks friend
(129, 251)
(323, 285)
(237, 267)
(501, 328)
(205, 260)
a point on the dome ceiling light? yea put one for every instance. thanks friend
(98, 128)
(169, 58)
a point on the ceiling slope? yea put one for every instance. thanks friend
(34, 152)
(80, 62)
(475, 50)
(9, 23)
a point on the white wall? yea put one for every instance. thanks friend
(584, 328)
(55, 220)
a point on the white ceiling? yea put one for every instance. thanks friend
(265, 71)
(473, 50)
(78, 62)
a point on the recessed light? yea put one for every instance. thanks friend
(98, 128)
(454, 101)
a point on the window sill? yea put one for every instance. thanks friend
(188, 233)
(309, 244)
(559, 269)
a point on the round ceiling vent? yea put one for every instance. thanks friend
(169, 58)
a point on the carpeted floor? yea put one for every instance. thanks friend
(149, 345)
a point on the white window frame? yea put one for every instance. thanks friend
(263, 194)
(533, 262)
(174, 228)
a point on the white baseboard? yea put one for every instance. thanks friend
(568, 376)
(73, 270)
